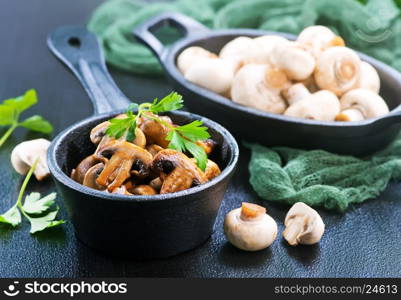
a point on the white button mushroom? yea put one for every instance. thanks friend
(338, 70)
(192, 55)
(213, 74)
(303, 225)
(249, 228)
(25, 154)
(361, 104)
(322, 105)
(243, 50)
(293, 59)
(267, 43)
(259, 86)
(318, 38)
(295, 93)
(369, 78)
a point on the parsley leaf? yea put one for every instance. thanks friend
(176, 142)
(47, 221)
(24, 102)
(194, 131)
(198, 153)
(35, 205)
(6, 115)
(37, 123)
(11, 216)
(172, 101)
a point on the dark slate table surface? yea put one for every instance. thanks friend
(364, 242)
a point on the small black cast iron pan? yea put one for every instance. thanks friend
(134, 226)
(355, 138)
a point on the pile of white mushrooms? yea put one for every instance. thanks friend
(315, 77)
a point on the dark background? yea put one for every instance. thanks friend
(364, 242)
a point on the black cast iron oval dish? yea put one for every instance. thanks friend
(134, 226)
(355, 138)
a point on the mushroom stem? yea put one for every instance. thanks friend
(293, 230)
(351, 114)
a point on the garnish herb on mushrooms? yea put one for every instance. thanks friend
(270, 73)
(142, 153)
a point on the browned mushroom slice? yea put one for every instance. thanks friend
(179, 172)
(122, 190)
(156, 132)
(156, 183)
(212, 170)
(123, 157)
(90, 179)
(154, 149)
(144, 189)
(79, 172)
(207, 145)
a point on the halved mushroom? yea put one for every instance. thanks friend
(259, 86)
(323, 105)
(361, 104)
(154, 149)
(156, 132)
(88, 162)
(190, 56)
(122, 190)
(212, 170)
(25, 154)
(178, 171)
(369, 78)
(338, 70)
(207, 145)
(91, 176)
(294, 60)
(123, 156)
(318, 38)
(156, 183)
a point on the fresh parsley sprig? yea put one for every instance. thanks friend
(34, 208)
(11, 109)
(181, 138)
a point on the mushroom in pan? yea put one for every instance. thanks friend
(88, 162)
(303, 225)
(361, 104)
(243, 50)
(213, 74)
(144, 189)
(369, 78)
(118, 168)
(295, 93)
(249, 228)
(259, 86)
(191, 55)
(90, 178)
(177, 170)
(338, 70)
(294, 60)
(156, 132)
(212, 170)
(207, 145)
(267, 43)
(322, 105)
(25, 154)
(318, 38)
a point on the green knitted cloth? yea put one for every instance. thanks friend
(372, 27)
(284, 175)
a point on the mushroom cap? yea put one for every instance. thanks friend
(294, 60)
(243, 50)
(322, 105)
(192, 55)
(259, 86)
(252, 233)
(91, 176)
(295, 93)
(318, 38)
(24, 155)
(303, 225)
(144, 189)
(370, 104)
(213, 74)
(369, 78)
(155, 132)
(88, 162)
(338, 70)
(267, 43)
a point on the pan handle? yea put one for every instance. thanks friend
(184, 24)
(80, 50)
